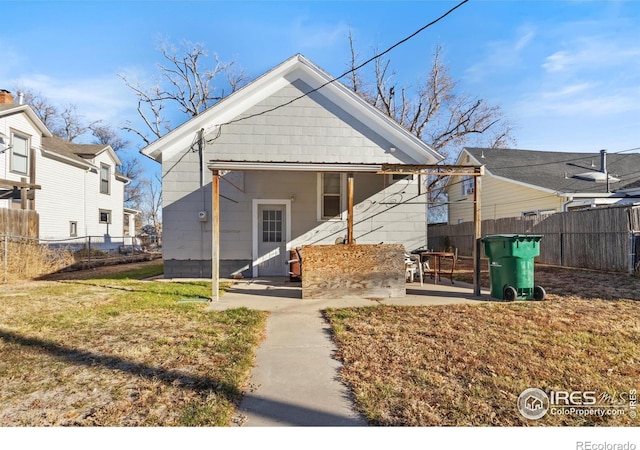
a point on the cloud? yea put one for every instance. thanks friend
(592, 54)
(12, 58)
(502, 55)
(567, 91)
(308, 34)
(103, 98)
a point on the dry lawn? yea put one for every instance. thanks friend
(104, 349)
(465, 365)
(29, 259)
(121, 352)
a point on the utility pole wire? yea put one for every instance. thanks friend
(333, 80)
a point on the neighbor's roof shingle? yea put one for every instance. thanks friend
(73, 151)
(556, 170)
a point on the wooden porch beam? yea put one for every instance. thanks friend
(477, 233)
(215, 236)
(18, 184)
(350, 208)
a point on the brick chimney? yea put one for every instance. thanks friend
(5, 97)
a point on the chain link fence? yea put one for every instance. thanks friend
(26, 258)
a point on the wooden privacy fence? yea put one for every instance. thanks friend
(600, 238)
(19, 222)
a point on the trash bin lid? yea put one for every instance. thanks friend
(511, 237)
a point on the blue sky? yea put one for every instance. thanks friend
(566, 73)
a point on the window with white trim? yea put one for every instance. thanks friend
(20, 154)
(468, 185)
(331, 196)
(105, 179)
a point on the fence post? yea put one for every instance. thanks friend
(89, 251)
(561, 249)
(632, 252)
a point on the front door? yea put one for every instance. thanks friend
(272, 244)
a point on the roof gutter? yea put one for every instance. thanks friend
(67, 160)
(587, 195)
(294, 167)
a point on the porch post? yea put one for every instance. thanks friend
(215, 236)
(477, 230)
(350, 208)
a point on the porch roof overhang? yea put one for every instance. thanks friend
(285, 166)
(380, 168)
(216, 166)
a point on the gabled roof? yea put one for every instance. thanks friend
(7, 109)
(77, 153)
(557, 172)
(294, 69)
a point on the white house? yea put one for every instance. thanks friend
(75, 188)
(287, 145)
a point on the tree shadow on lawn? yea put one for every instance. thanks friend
(86, 358)
(272, 410)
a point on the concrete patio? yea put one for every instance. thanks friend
(295, 380)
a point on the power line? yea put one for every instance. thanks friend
(333, 80)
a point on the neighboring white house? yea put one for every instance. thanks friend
(285, 145)
(75, 188)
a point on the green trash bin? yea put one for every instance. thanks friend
(511, 266)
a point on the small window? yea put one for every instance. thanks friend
(105, 177)
(271, 226)
(105, 216)
(73, 229)
(331, 196)
(20, 155)
(468, 185)
(401, 176)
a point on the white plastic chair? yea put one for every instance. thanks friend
(412, 265)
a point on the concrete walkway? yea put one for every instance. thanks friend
(295, 379)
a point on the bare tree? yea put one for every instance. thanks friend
(66, 124)
(71, 125)
(107, 135)
(152, 205)
(185, 84)
(42, 107)
(435, 112)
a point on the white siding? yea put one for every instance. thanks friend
(97, 201)
(184, 235)
(69, 193)
(61, 200)
(17, 123)
(382, 213)
(311, 129)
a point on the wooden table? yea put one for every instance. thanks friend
(436, 271)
